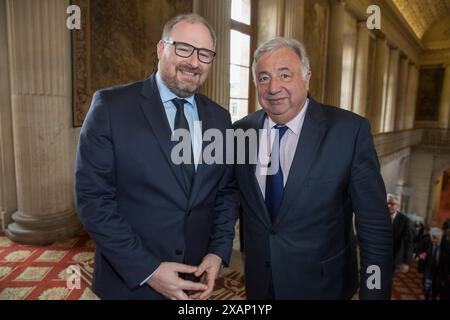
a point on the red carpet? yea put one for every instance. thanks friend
(408, 286)
(40, 273)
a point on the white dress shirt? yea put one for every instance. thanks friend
(393, 216)
(288, 146)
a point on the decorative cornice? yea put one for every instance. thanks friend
(437, 45)
(398, 155)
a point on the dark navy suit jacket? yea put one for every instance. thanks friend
(132, 199)
(403, 239)
(309, 251)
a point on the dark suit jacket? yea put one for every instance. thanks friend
(403, 242)
(309, 251)
(132, 199)
(439, 272)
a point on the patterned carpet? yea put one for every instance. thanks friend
(408, 286)
(42, 273)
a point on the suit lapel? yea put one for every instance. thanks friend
(156, 116)
(313, 131)
(253, 191)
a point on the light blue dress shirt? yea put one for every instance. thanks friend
(190, 111)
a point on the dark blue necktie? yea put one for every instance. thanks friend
(181, 123)
(274, 182)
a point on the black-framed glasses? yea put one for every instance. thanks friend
(185, 50)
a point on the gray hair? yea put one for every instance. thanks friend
(190, 18)
(278, 43)
(391, 195)
(436, 232)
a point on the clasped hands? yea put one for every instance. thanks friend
(166, 279)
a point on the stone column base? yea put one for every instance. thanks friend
(42, 230)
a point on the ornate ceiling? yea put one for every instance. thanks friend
(422, 14)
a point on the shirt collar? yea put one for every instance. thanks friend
(166, 94)
(394, 215)
(295, 124)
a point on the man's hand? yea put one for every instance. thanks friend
(404, 268)
(166, 281)
(208, 270)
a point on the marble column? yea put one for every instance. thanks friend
(410, 109)
(294, 19)
(380, 78)
(444, 108)
(389, 119)
(401, 93)
(217, 87)
(8, 192)
(334, 53)
(41, 113)
(361, 70)
(402, 183)
(270, 20)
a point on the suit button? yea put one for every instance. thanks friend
(267, 264)
(189, 213)
(272, 232)
(178, 252)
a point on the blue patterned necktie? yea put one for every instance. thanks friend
(182, 123)
(274, 182)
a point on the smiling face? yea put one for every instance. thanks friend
(184, 76)
(282, 90)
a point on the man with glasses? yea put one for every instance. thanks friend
(162, 228)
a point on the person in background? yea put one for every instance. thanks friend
(434, 265)
(445, 262)
(401, 234)
(419, 233)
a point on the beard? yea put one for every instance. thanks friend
(182, 89)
